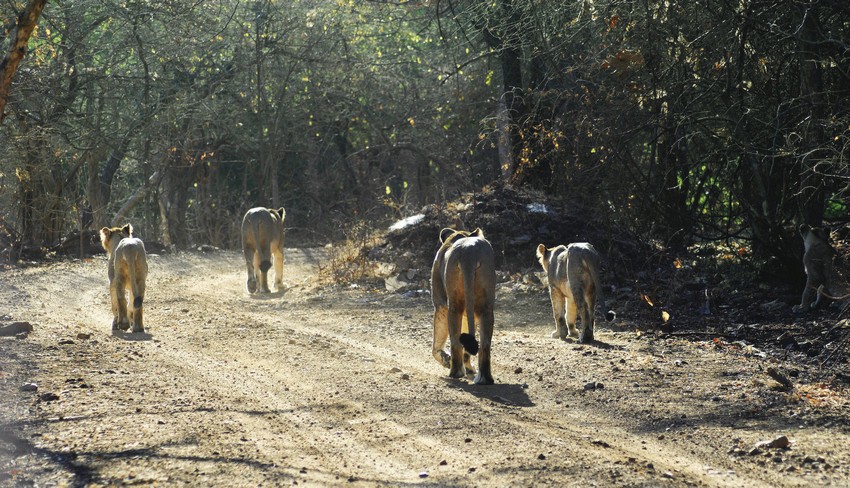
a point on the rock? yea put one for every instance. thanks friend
(600, 442)
(518, 371)
(667, 474)
(443, 462)
(64, 342)
(29, 387)
(780, 442)
(396, 283)
(423, 474)
(405, 376)
(541, 456)
(48, 397)
(83, 336)
(467, 440)
(780, 377)
(395, 370)
(754, 451)
(594, 385)
(15, 328)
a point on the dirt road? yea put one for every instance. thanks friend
(337, 386)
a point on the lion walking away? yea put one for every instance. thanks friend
(573, 273)
(463, 287)
(128, 271)
(262, 244)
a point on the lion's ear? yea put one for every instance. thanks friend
(281, 213)
(477, 232)
(541, 252)
(445, 234)
(127, 230)
(104, 234)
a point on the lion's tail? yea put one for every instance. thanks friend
(467, 340)
(262, 248)
(134, 286)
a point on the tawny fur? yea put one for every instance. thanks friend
(463, 287)
(817, 261)
(262, 242)
(573, 273)
(128, 271)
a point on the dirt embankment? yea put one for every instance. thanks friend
(337, 386)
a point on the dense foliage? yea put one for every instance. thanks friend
(679, 121)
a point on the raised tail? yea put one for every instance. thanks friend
(467, 340)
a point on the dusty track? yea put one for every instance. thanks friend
(328, 386)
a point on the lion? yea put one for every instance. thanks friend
(463, 288)
(817, 262)
(128, 271)
(262, 239)
(574, 286)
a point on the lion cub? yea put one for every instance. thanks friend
(262, 238)
(463, 287)
(128, 270)
(573, 273)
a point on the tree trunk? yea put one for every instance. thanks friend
(27, 21)
(812, 196)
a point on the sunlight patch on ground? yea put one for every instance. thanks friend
(537, 208)
(407, 222)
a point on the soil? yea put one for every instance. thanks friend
(335, 385)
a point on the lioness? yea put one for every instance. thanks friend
(817, 261)
(262, 238)
(127, 270)
(463, 286)
(573, 273)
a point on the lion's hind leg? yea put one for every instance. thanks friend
(277, 257)
(121, 289)
(252, 263)
(572, 315)
(485, 374)
(455, 317)
(441, 333)
(581, 307)
(113, 295)
(559, 310)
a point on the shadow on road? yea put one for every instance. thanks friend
(506, 394)
(132, 336)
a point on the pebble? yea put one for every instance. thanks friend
(423, 474)
(29, 387)
(49, 397)
(594, 385)
(518, 371)
(83, 335)
(541, 456)
(443, 462)
(780, 442)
